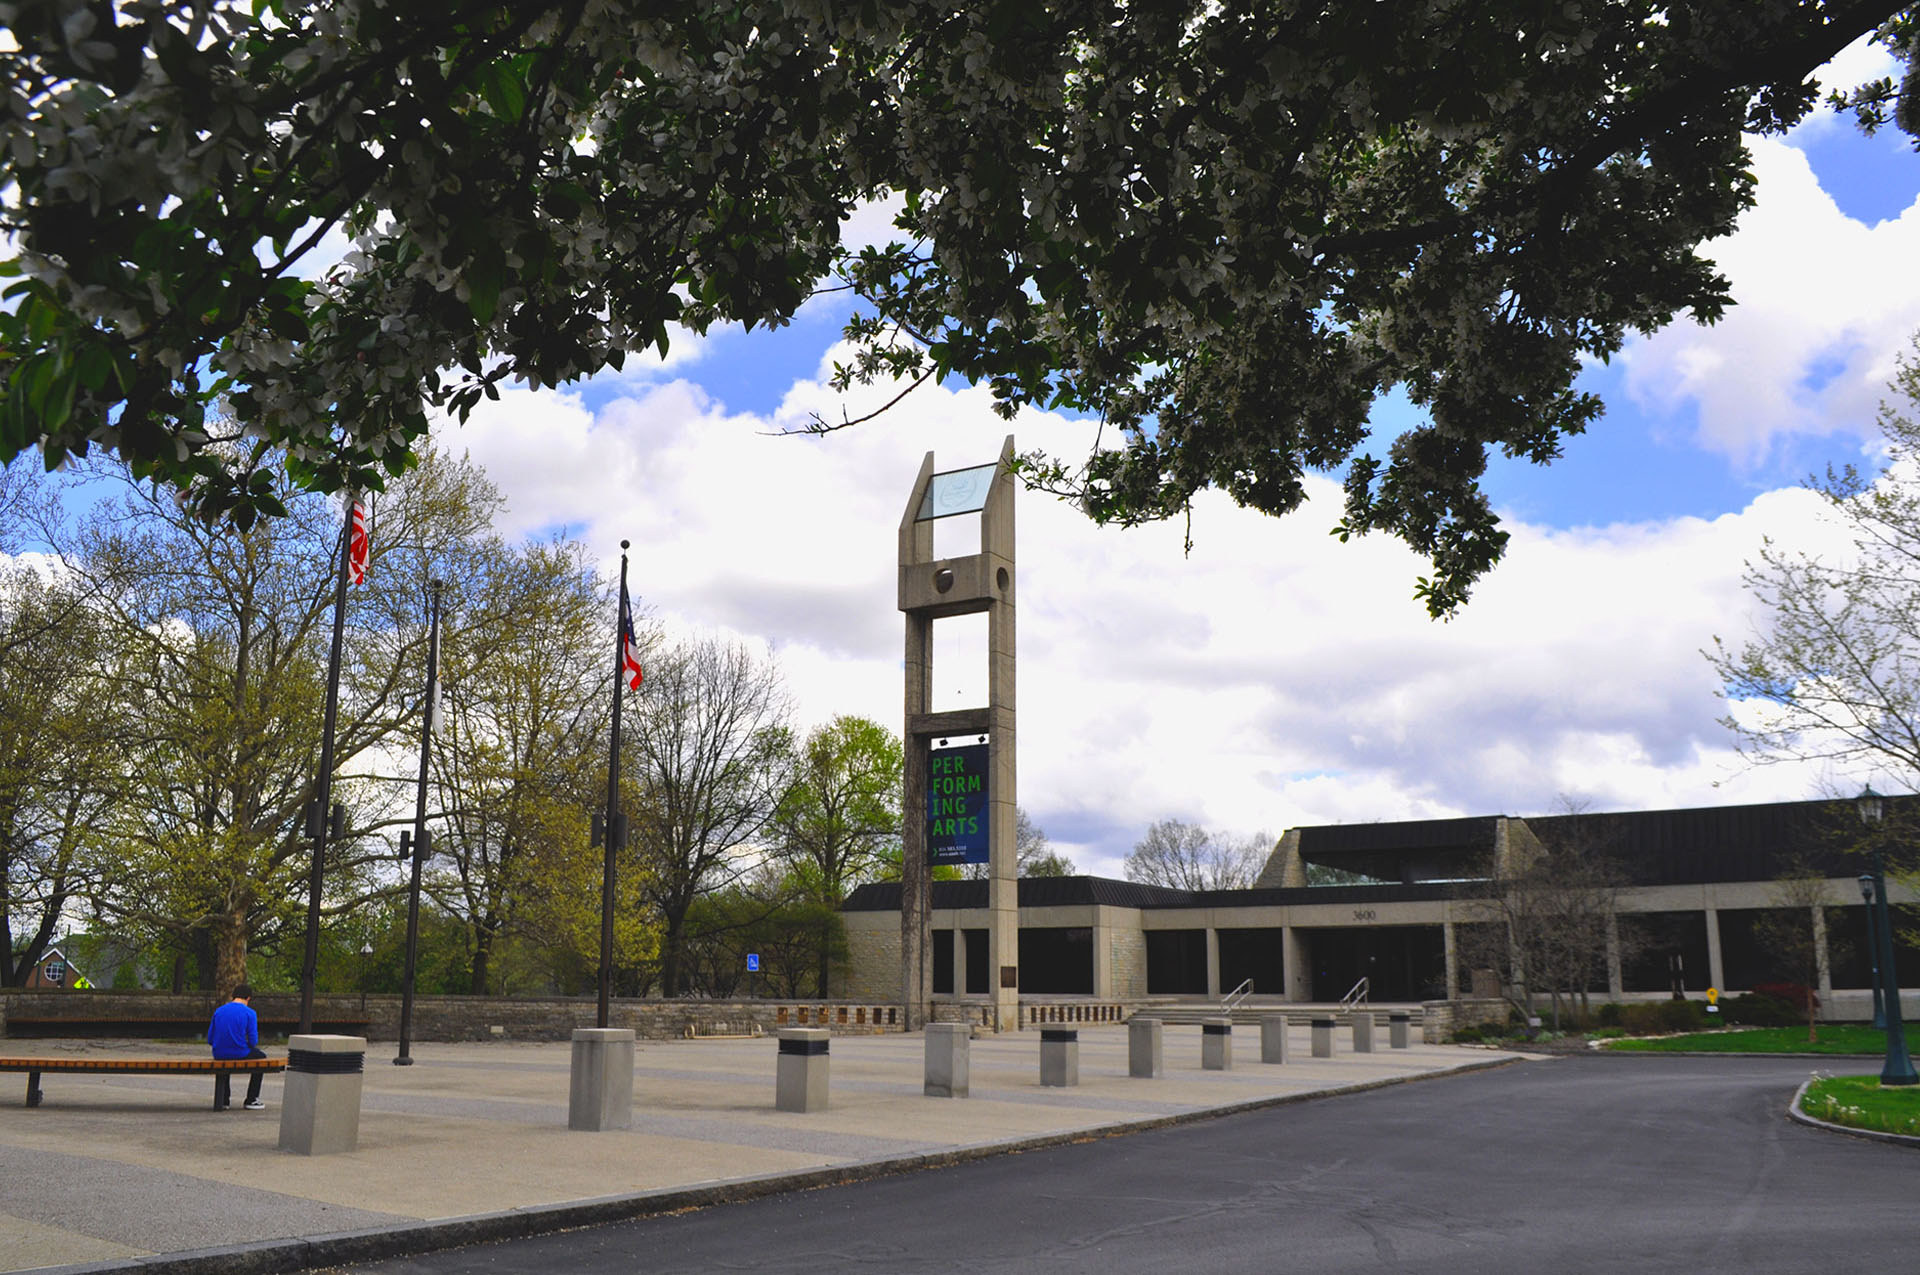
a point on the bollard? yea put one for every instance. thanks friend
(1323, 1038)
(320, 1103)
(800, 1080)
(600, 1090)
(1059, 1056)
(1216, 1044)
(800, 1076)
(1397, 1023)
(1273, 1038)
(949, 1049)
(1362, 1032)
(1145, 1053)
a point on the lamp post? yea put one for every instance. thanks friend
(366, 953)
(1873, 952)
(1898, 1069)
(416, 844)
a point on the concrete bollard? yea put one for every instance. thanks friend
(1273, 1038)
(949, 1050)
(1146, 1053)
(1059, 1056)
(1397, 1025)
(1216, 1044)
(320, 1104)
(1323, 1038)
(600, 1091)
(1362, 1032)
(800, 1084)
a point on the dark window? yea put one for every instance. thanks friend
(976, 941)
(1400, 962)
(1253, 954)
(1176, 962)
(1756, 946)
(1057, 961)
(1655, 947)
(943, 962)
(1847, 953)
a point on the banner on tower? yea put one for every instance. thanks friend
(957, 805)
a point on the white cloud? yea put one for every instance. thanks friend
(1273, 678)
(1824, 307)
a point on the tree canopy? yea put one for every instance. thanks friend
(1224, 230)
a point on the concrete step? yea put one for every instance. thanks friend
(1296, 1015)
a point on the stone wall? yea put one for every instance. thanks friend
(1128, 953)
(435, 1018)
(873, 956)
(1440, 1019)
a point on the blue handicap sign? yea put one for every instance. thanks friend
(753, 962)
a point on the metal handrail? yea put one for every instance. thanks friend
(1357, 995)
(1232, 999)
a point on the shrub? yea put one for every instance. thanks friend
(1660, 1017)
(1798, 995)
(1606, 1033)
(1757, 1009)
(1608, 1015)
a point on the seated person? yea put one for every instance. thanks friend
(235, 1033)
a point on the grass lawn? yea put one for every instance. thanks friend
(1835, 1038)
(1860, 1103)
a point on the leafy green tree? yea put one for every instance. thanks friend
(57, 779)
(1224, 230)
(841, 808)
(220, 641)
(518, 750)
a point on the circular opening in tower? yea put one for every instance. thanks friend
(943, 580)
(1001, 578)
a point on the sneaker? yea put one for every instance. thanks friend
(256, 1105)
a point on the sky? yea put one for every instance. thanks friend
(1274, 677)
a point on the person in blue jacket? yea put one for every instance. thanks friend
(235, 1033)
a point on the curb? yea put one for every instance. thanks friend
(278, 1256)
(1872, 1135)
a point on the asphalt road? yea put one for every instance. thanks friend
(1584, 1164)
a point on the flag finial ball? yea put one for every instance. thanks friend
(624, 544)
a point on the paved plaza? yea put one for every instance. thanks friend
(113, 1168)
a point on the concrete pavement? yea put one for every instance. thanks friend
(471, 1142)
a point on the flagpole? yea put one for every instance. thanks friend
(319, 815)
(404, 1058)
(613, 826)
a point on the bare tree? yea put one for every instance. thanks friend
(1034, 855)
(1801, 893)
(709, 744)
(1186, 856)
(1555, 915)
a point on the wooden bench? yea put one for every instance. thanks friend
(150, 1066)
(31, 1025)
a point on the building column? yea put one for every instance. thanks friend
(1716, 972)
(1452, 949)
(1213, 964)
(1820, 953)
(1289, 963)
(1616, 976)
(1102, 955)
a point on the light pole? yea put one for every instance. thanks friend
(366, 953)
(417, 846)
(1873, 952)
(1898, 1069)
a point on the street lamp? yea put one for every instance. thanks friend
(1898, 1069)
(1873, 952)
(366, 951)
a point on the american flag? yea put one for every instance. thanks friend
(629, 650)
(359, 544)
